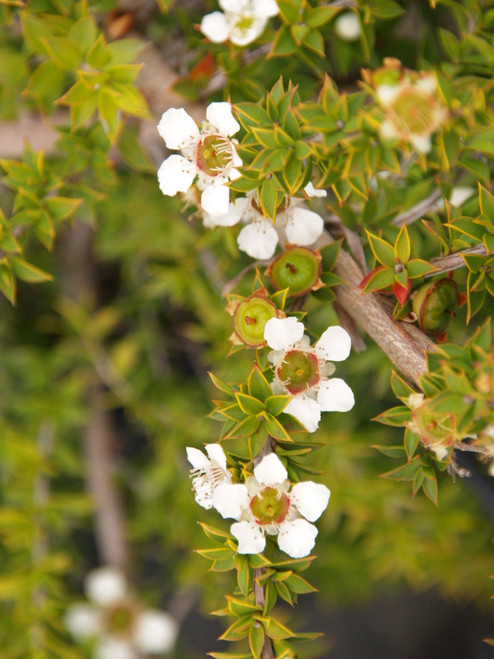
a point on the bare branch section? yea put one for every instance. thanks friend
(455, 261)
(404, 344)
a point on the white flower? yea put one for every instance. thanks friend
(303, 370)
(121, 628)
(242, 22)
(207, 473)
(266, 505)
(347, 26)
(208, 156)
(294, 224)
(413, 110)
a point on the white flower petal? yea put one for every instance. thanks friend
(310, 499)
(105, 586)
(155, 632)
(335, 395)
(215, 27)
(258, 239)
(82, 621)
(297, 538)
(265, 8)
(459, 194)
(215, 199)
(270, 471)
(314, 192)
(113, 648)
(229, 219)
(216, 453)
(197, 458)
(176, 174)
(334, 345)
(250, 538)
(241, 35)
(386, 94)
(304, 226)
(427, 83)
(387, 131)
(236, 162)
(347, 27)
(234, 6)
(220, 115)
(305, 410)
(283, 333)
(177, 128)
(422, 143)
(230, 499)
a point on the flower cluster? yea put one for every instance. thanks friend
(265, 504)
(209, 157)
(115, 619)
(414, 110)
(303, 370)
(241, 23)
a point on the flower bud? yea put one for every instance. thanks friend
(298, 269)
(250, 315)
(435, 304)
(347, 27)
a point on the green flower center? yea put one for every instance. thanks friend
(414, 112)
(250, 318)
(270, 506)
(214, 154)
(297, 269)
(244, 23)
(119, 618)
(299, 371)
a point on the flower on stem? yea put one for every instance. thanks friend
(208, 155)
(207, 472)
(241, 23)
(268, 504)
(113, 616)
(303, 370)
(412, 104)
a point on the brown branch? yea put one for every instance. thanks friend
(419, 210)
(403, 343)
(454, 261)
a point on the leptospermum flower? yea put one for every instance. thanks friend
(207, 472)
(242, 22)
(122, 629)
(268, 504)
(411, 101)
(303, 370)
(209, 156)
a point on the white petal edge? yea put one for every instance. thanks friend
(197, 458)
(386, 94)
(347, 27)
(265, 8)
(422, 143)
(305, 410)
(310, 499)
(242, 36)
(460, 194)
(216, 453)
(215, 199)
(82, 621)
(155, 632)
(113, 648)
(220, 115)
(334, 345)
(283, 333)
(250, 538)
(229, 219)
(105, 586)
(258, 239)
(176, 174)
(335, 395)
(177, 128)
(311, 191)
(215, 27)
(304, 226)
(230, 499)
(270, 471)
(297, 538)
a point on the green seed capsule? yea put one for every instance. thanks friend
(435, 305)
(298, 269)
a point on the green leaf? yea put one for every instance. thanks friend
(276, 429)
(379, 279)
(405, 472)
(238, 607)
(245, 428)
(402, 247)
(99, 54)
(214, 533)
(256, 640)
(63, 52)
(396, 416)
(418, 268)
(219, 384)
(382, 250)
(249, 404)
(315, 42)
(269, 197)
(411, 442)
(276, 629)
(60, 208)
(215, 554)
(243, 573)
(320, 16)
(257, 384)
(486, 202)
(29, 272)
(276, 404)
(429, 486)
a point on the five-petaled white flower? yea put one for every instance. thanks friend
(413, 110)
(207, 473)
(207, 154)
(294, 224)
(242, 22)
(266, 504)
(122, 629)
(302, 370)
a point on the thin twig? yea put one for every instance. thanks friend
(419, 210)
(455, 261)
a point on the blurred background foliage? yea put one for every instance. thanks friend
(128, 327)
